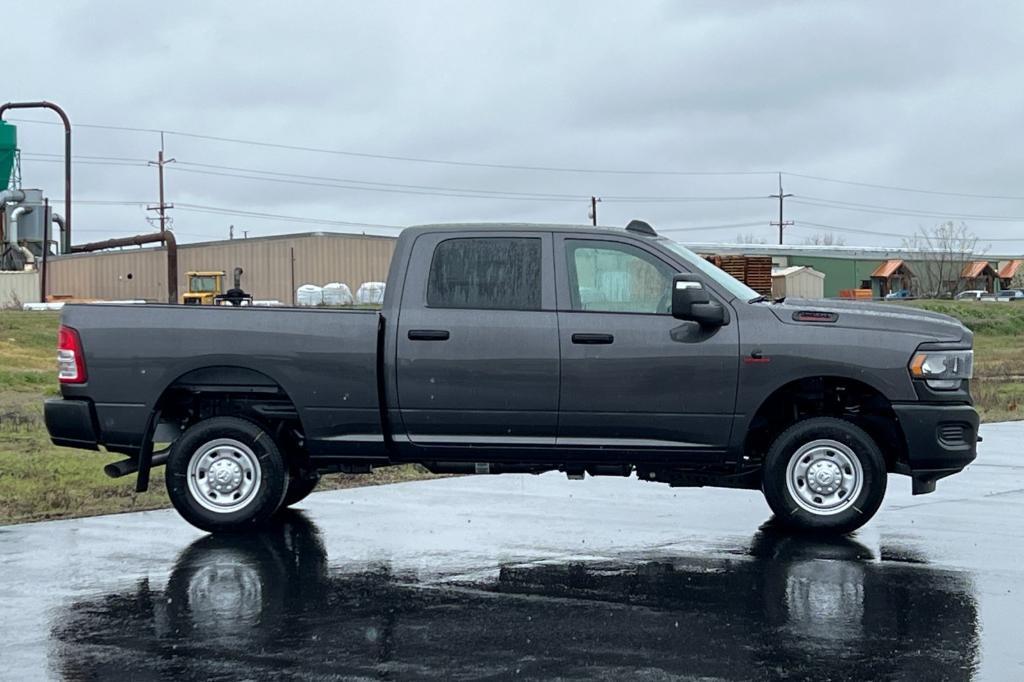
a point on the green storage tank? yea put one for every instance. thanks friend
(8, 151)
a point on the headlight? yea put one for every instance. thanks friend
(943, 369)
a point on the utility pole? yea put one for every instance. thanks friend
(593, 210)
(163, 206)
(231, 231)
(781, 196)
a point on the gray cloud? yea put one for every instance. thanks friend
(910, 94)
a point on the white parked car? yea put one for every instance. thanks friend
(973, 295)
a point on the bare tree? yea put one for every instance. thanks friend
(750, 238)
(939, 255)
(825, 239)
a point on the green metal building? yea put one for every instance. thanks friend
(851, 267)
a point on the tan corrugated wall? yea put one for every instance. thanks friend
(142, 273)
(18, 287)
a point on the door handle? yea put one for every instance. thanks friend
(593, 339)
(428, 334)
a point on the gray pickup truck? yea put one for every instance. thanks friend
(524, 349)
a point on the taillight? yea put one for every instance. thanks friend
(70, 359)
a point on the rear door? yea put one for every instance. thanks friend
(633, 377)
(477, 348)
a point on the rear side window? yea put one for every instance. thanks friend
(488, 273)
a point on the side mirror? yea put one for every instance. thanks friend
(691, 302)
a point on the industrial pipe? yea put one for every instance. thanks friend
(11, 196)
(12, 229)
(8, 196)
(12, 234)
(59, 219)
(66, 246)
(166, 237)
(46, 246)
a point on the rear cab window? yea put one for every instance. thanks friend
(486, 273)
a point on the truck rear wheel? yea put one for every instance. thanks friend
(824, 474)
(226, 474)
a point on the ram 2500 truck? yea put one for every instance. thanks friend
(524, 349)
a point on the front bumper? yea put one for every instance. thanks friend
(71, 423)
(941, 440)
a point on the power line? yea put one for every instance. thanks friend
(896, 188)
(411, 159)
(700, 228)
(104, 202)
(81, 157)
(899, 211)
(199, 208)
(394, 188)
(241, 173)
(84, 163)
(460, 190)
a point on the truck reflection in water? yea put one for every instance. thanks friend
(269, 604)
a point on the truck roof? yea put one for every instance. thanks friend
(636, 227)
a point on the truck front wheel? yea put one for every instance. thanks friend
(226, 474)
(824, 474)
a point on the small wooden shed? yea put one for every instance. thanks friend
(892, 275)
(1011, 275)
(798, 281)
(978, 275)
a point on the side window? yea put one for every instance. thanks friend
(486, 273)
(617, 278)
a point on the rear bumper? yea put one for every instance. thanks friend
(71, 423)
(941, 440)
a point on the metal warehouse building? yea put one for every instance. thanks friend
(274, 266)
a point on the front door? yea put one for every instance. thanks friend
(478, 341)
(633, 377)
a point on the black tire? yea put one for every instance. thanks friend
(828, 498)
(300, 485)
(248, 451)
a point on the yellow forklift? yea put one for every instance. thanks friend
(203, 287)
(207, 288)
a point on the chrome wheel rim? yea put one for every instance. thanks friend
(224, 475)
(824, 477)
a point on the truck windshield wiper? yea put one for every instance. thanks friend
(758, 299)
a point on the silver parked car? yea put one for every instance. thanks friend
(1010, 295)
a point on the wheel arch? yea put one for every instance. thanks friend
(264, 398)
(852, 399)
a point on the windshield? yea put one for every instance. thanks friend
(204, 285)
(720, 276)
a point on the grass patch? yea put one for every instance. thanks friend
(41, 481)
(983, 318)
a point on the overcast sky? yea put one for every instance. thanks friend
(716, 96)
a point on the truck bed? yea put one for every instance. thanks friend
(324, 360)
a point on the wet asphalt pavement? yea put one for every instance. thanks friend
(493, 577)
